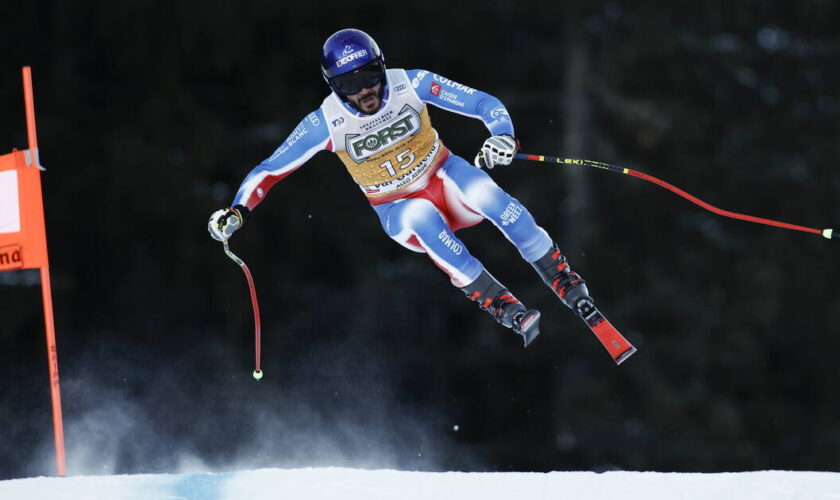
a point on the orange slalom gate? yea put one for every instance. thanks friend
(23, 242)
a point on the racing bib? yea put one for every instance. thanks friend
(391, 151)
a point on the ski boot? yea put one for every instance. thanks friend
(503, 306)
(554, 270)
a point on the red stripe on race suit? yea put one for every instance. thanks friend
(435, 193)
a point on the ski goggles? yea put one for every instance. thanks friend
(363, 78)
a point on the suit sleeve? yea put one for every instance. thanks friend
(309, 137)
(443, 93)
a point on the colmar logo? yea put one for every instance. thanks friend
(435, 90)
(450, 242)
(454, 85)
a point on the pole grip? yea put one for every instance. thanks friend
(480, 158)
(233, 224)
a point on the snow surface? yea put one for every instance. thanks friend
(350, 484)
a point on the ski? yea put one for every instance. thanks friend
(615, 343)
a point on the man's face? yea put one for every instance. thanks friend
(367, 100)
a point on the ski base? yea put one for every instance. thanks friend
(615, 343)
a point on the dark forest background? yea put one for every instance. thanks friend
(150, 113)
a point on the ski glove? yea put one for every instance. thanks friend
(497, 150)
(224, 222)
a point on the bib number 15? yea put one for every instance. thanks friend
(404, 159)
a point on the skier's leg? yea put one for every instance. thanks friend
(417, 225)
(503, 306)
(553, 268)
(477, 190)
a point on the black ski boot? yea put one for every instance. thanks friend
(503, 306)
(554, 270)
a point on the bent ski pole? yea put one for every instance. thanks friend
(826, 233)
(258, 374)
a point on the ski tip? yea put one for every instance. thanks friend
(626, 354)
(830, 233)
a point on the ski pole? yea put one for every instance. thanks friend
(258, 374)
(826, 233)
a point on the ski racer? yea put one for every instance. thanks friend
(377, 121)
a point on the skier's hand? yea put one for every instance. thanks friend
(497, 150)
(224, 222)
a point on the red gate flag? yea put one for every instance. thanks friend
(23, 239)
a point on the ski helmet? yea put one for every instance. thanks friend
(351, 61)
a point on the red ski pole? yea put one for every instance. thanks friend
(258, 374)
(826, 233)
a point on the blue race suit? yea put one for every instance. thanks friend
(421, 192)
